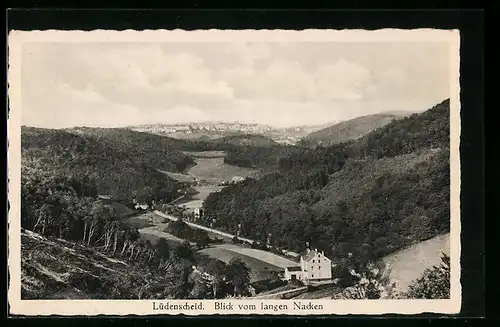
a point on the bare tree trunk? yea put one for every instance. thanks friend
(116, 241)
(100, 238)
(92, 231)
(125, 245)
(139, 252)
(84, 231)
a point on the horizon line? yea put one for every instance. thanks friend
(330, 123)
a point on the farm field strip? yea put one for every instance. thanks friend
(153, 231)
(259, 270)
(265, 256)
(214, 169)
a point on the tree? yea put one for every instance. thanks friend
(434, 283)
(184, 251)
(176, 283)
(202, 239)
(217, 269)
(201, 288)
(371, 281)
(238, 275)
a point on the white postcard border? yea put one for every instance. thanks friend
(16, 39)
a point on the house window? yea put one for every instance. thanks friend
(319, 267)
(313, 260)
(319, 261)
(312, 275)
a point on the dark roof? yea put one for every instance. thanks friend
(294, 268)
(310, 255)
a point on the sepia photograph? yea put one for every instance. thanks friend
(234, 172)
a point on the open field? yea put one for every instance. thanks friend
(138, 222)
(410, 263)
(183, 178)
(259, 270)
(268, 257)
(153, 234)
(142, 220)
(196, 200)
(205, 190)
(215, 170)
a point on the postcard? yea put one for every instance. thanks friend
(234, 172)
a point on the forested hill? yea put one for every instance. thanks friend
(371, 197)
(120, 163)
(347, 130)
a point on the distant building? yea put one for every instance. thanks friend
(142, 206)
(197, 213)
(314, 266)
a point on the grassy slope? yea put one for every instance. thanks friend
(54, 269)
(215, 170)
(270, 258)
(259, 270)
(409, 264)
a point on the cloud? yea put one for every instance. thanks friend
(119, 84)
(290, 80)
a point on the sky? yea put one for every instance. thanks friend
(279, 84)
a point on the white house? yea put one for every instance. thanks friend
(314, 266)
(197, 212)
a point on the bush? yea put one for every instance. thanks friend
(85, 282)
(371, 282)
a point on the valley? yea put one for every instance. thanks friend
(376, 198)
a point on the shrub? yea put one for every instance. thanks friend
(434, 283)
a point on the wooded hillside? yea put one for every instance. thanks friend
(371, 196)
(347, 130)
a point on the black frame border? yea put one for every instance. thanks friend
(469, 22)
